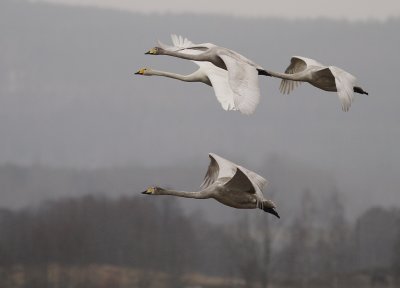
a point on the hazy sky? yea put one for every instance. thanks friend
(68, 97)
(338, 9)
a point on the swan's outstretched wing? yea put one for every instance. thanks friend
(236, 89)
(240, 182)
(220, 167)
(297, 64)
(219, 81)
(306, 61)
(178, 42)
(217, 76)
(344, 84)
(243, 79)
(258, 180)
(258, 183)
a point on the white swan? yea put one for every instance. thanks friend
(213, 76)
(328, 78)
(229, 184)
(242, 72)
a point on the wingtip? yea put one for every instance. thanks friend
(345, 109)
(212, 155)
(247, 111)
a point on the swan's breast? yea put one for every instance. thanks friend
(236, 199)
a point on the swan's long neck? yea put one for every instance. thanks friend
(209, 56)
(196, 195)
(186, 78)
(195, 57)
(294, 77)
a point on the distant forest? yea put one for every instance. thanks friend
(150, 240)
(81, 137)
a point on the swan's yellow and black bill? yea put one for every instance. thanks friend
(140, 72)
(152, 51)
(149, 190)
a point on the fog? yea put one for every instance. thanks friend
(75, 120)
(69, 98)
(355, 10)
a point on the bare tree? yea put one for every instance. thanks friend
(337, 238)
(396, 258)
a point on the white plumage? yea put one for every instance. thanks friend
(238, 80)
(328, 78)
(229, 184)
(218, 77)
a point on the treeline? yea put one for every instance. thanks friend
(318, 247)
(128, 231)
(133, 232)
(322, 248)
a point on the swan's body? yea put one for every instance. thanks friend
(229, 184)
(328, 78)
(240, 80)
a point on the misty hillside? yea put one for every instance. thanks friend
(69, 98)
(30, 186)
(132, 241)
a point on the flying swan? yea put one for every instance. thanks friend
(328, 78)
(236, 79)
(212, 76)
(229, 184)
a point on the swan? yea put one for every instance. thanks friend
(328, 78)
(207, 74)
(241, 74)
(229, 184)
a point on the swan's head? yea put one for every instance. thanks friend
(151, 190)
(143, 71)
(154, 51)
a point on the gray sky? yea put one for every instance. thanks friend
(68, 97)
(292, 9)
